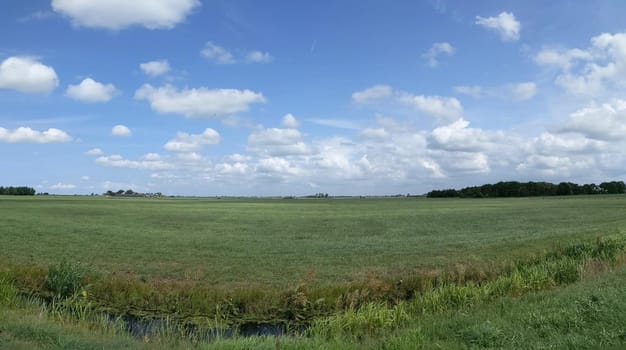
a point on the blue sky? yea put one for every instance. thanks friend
(199, 97)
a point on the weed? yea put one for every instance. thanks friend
(65, 279)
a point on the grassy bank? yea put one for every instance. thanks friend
(571, 298)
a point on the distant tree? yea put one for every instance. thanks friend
(17, 191)
(564, 189)
(525, 189)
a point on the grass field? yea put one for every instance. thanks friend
(277, 242)
(363, 272)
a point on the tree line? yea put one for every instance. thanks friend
(131, 193)
(17, 191)
(530, 189)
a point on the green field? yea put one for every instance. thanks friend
(277, 242)
(358, 272)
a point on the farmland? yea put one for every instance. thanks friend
(276, 242)
(186, 256)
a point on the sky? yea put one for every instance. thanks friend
(275, 98)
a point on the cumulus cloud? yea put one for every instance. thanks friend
(606, 122)
(457, 136)
(563, 144)
(221, 55)
(373, 93)
(290, 122)
(515, 91)
(155, 68)
(375, 133)
(259, 57)
(522, 91)
(120, 130)
(198, 103)
(335, 123)
(184, 142)
(277, 142)
(444, 109)
(277, 165)
(118, 161)
(119, 14)
(94, 152)
(91, 91)
(593, 72)
(62, 186)
(504, 24)
(473, 90)
(27, 75)
(435, 51)
(28, 135)
(217, 54)
(563, 59)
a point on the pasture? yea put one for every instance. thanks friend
(325, 273)
(275, 243)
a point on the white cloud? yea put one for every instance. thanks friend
(259, 57)
(277, 165)
(119, 14)
(27, 75)
(606, 122)
(198, 103)
(120, 130)
(118, 161)
(474, 90)
(221, 55)
(462, 162)
(151, 156)
(604, 69)
(187, 143)
(90, 90)
(191, 157)
(505, 24)
(155, 68)
(335, 123)
(444, 109)
(563, 59)
(522, 91)
(277, 142)
(376, 92)
(516, 92)
(28, 135)
(437, 50)
(563, 144)
(290, 122)
(458, 136)
(94, 152)
(62, 186)
(217, 54)
(375, 133)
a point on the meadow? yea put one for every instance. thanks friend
(340, 271)
(277, 242)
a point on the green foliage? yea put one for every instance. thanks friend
(65, 279)
(530, 189)
(17, 191)
(8, 294)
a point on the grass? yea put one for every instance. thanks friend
(352, 270)
(590, 313)
(279, 242)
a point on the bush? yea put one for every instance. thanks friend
(65, 279)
